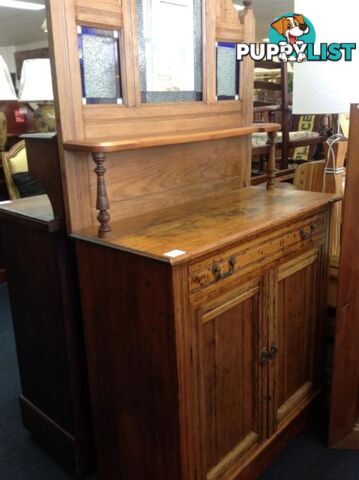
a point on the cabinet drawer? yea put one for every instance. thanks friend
(256, 253)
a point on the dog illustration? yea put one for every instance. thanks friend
(291, 28)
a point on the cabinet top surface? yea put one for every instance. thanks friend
(208, 225)
(36, 210)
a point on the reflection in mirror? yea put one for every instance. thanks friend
(170, 50)
(24, 41)
(227, 71)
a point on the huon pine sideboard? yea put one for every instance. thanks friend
(203, 298)
(204, 332)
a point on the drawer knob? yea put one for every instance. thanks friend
(217, 273)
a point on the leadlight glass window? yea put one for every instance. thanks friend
(100, 66)
(170, 50)
(227, 71)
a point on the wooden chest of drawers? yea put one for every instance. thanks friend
(204, 334)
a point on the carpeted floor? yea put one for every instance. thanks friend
(306, 458)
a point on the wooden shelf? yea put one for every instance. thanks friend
(118, 145)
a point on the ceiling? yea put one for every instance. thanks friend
(266, 11)
(24, 26)
(21, 26)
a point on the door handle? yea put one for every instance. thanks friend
(268, 356)
(264, 357)
(273, 352)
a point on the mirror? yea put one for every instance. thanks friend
(170, 50)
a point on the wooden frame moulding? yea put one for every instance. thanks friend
(103, 120)
(99, 13)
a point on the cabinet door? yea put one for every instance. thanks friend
(297, 335)
(230, 332)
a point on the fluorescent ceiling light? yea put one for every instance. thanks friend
(239, 8)
(21, 5)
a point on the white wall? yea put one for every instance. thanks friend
(32, 46)
(328, 87)
(8, 54)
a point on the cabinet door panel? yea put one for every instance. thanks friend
(297, 325)
(230, 376)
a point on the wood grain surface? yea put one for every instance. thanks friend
(211, 224)
(132, 143)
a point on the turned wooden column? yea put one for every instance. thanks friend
(272, 136)
(102, 203)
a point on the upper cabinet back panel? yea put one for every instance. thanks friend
(134, 114)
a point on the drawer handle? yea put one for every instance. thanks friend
(216, 269)
(308, 235)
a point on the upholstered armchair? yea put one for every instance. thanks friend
(14, 161)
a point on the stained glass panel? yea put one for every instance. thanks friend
(99, 61)
(227, 71)
(170, 50)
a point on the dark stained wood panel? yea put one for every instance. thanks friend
(45, 308)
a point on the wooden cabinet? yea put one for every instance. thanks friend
(41, 273)
(46, 312)
(259, 356)
(204, 364)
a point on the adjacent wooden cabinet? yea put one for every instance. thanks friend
(44, 298)
(202, 364)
